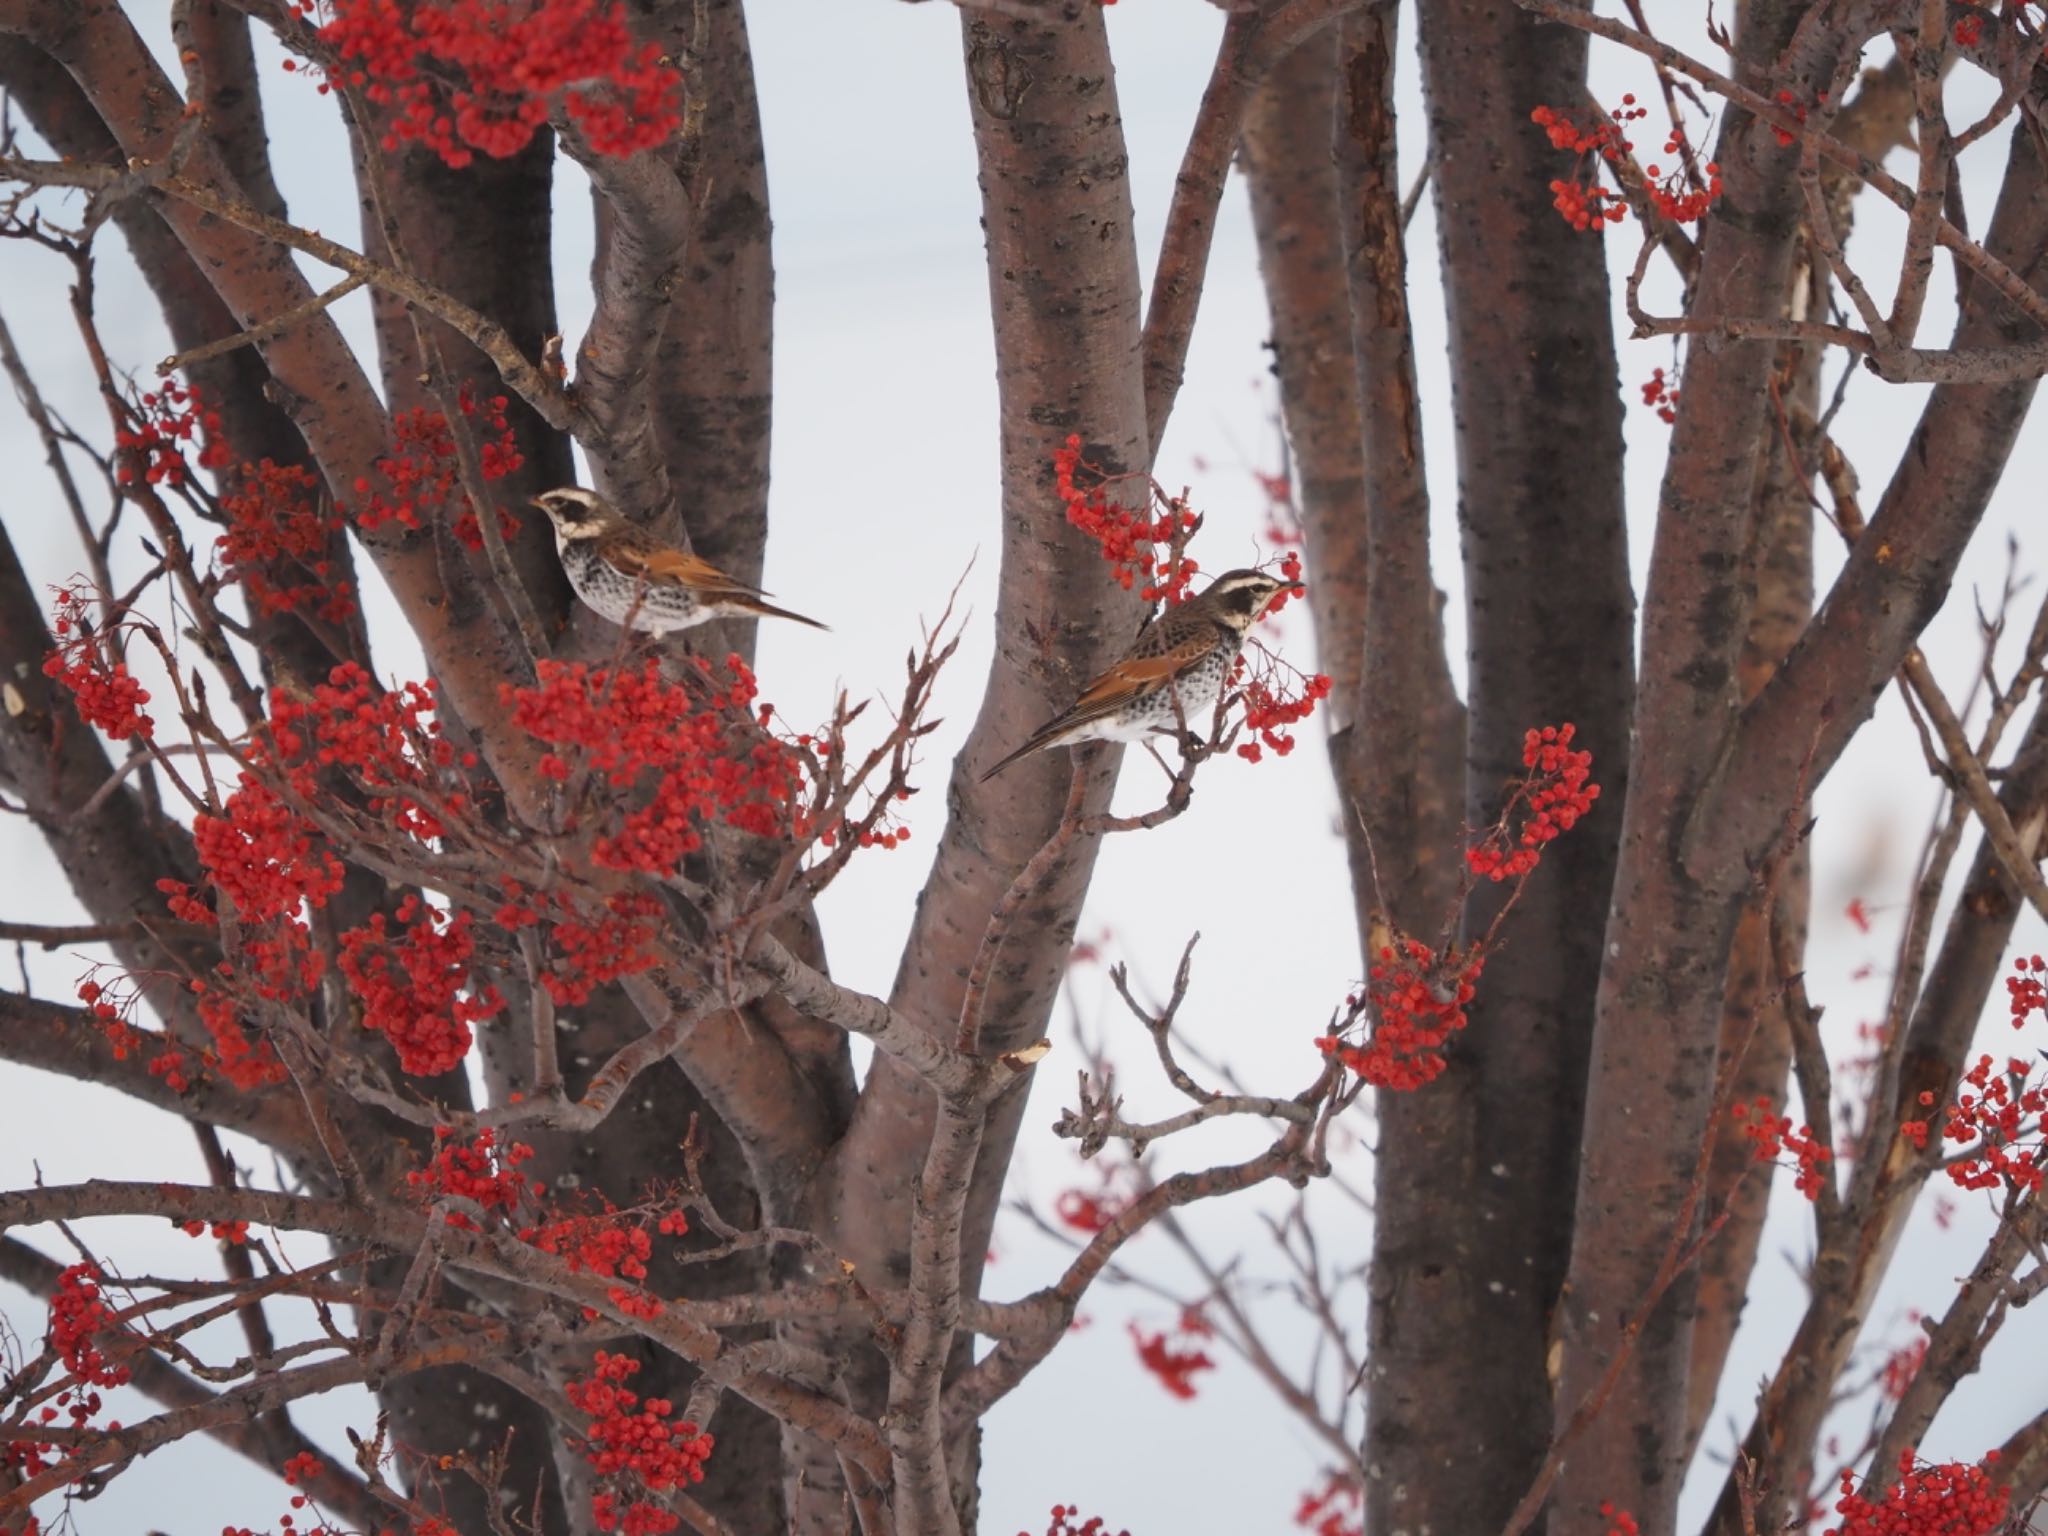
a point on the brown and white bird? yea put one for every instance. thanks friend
(625, 573)
(1181, 657)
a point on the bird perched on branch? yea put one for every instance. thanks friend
(632, 578)
(1179, 659)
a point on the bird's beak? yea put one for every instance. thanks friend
(1295, 587)
(535, 501)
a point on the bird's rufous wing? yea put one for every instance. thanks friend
(1133, 678)
(672, 567)
(1137, 676)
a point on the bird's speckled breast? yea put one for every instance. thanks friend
(613, 596)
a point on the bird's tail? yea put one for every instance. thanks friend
(770, 611)
(1037, 740)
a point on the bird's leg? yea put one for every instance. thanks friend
(1191, 746)
(631, 619)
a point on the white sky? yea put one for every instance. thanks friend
(885, 467)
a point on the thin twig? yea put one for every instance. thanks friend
(263, 331)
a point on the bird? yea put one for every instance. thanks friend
(634, 579)
(1181, 657)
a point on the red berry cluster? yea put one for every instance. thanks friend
(1138, 544)
(1417, 1002)
(1066, 1519)
(832, 833)
(1584, 203)
(299, 1471)
(109, 1013)
(621, 722)
(231, 1232)
(467, 76)
(2027, 988)
(1272, 702)
(1548, 801)
(589, 954)
(1589, 207)
(1415, 997)
(1089, 1211)
(1620, 1521)
(1175, 1368)
(1772, 1137)
(476, 1170)
(715, 764)
(497, 458)
(263, 856)
(260, 856)
(1954, 1498)
(1603, 139)
(170, 1064)
(413, 974)
(1661, 397)
(1290, 570)
(1684, 195)
(78, 1315)
(818, 751)
(634, 1444)
(84, 664)
(244, 1060)
(387, 742)
(1086, 1212)
(1338, 1509)
(273, 526)
(613, 1244)
(183, 905)
(161, 422)
(106, 695)
(1996, 1113)
(415, 989)
(424, 477)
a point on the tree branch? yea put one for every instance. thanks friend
(268, 1440)
(70, 1042)
(1254, 43)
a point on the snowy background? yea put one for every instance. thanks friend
(882, 336)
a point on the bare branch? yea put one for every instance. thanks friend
(1254, 42)
(268, 1440)
(267, 329)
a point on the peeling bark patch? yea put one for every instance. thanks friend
(1001, 81)
(1370, 119)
